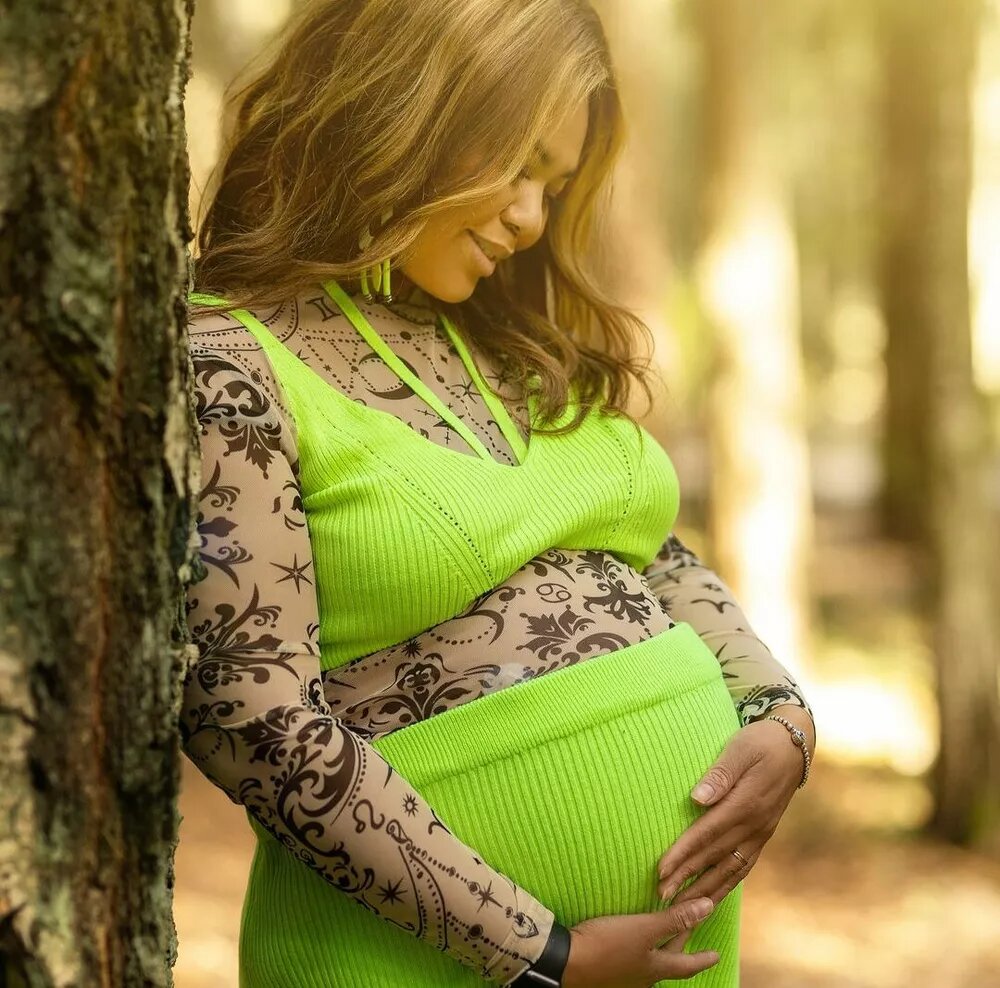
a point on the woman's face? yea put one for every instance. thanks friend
(453, 251)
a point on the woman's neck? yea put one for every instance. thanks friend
(404, 290)
(405, 293)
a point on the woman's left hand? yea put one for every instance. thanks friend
(754, 780)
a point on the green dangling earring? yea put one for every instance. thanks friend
(386, 297)
(380, 274)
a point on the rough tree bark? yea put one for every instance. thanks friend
(97, 473)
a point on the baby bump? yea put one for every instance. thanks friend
(572, 784)
(575, 784)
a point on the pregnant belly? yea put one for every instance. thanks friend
(571, 784)
(559, 609)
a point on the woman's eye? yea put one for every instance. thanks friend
(549, 196)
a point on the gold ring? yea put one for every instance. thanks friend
(740, 856)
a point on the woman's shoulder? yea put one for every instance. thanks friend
(217, 333)
(235, 383)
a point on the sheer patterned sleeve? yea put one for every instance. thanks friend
(692, 592)
(256, 722)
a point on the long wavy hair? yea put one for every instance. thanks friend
(363, 105)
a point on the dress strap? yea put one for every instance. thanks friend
(272, 346)
(279, 353)
(377, 344)
(493, 402)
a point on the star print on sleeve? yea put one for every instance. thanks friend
(295, 572)
(391, 892)
(485, 895)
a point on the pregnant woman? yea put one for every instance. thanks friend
(452, 660)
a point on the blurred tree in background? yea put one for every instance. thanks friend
(937, 446)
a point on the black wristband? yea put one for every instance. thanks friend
(547, 971)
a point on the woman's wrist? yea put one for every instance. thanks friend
(800, 730)
(547, 970)
(800, 718)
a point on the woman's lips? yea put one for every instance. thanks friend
(484, 263)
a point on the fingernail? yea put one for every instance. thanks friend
(705, 906)
(667, 892)
(703, 791)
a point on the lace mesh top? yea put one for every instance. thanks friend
(256, 703)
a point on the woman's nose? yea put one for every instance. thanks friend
(526, 213)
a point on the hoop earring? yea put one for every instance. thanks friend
(381, 274)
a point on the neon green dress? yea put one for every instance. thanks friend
(572, 784)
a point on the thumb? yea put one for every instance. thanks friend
(721, 777)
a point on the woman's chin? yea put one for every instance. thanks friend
(453, 291)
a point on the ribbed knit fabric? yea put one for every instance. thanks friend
(523, 776)
(424, 530)
(573, 784)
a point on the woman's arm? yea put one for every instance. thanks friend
(758, 684)
(756, 774)
(256, 722)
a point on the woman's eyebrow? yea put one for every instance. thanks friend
(546, 160)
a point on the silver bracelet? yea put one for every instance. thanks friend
(799, 739)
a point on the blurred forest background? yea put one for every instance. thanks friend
(808, 217)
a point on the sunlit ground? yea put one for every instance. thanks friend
(845, 896)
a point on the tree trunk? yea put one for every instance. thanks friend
(952, 483)
(760, 515)
(938, 430)
(906, 110)
(98, 466)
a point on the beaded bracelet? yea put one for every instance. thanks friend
(798, 739)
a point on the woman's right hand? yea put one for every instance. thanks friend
(629, 951)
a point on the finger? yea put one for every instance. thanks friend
(720, 778)
(741, 752)
(667, 965)
(706, 856)
(715, 822)
(718, 882)
(702, 832)
(677, 943)
(656, 927)
(749, 839)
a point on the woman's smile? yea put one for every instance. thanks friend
(486, 264)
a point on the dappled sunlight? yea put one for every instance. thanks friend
(203, 107)
(845, 897)
(259, 18)
(866, 720)
(984, 221)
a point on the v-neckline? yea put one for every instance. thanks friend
(518, 446)
(522, 451)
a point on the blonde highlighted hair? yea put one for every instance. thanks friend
(365, 105)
